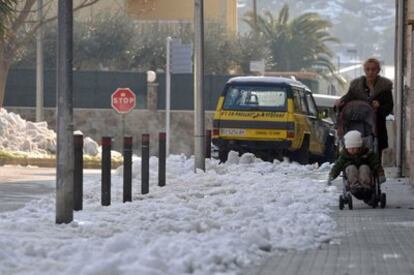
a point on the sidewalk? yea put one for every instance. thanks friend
(371, 241)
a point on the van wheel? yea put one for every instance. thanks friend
(268, 156)
(302, 155)
(330, 150)
(222, 154)
(383, 200)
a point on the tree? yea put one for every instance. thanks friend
(252, 47)
(19, 28)
(148, 51)
(104, 42)
(297, 44)
(221, 50)
(6, 10)
(149, 47)
(100, 42)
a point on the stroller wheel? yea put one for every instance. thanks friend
(383, 200)
(341, 202)
(349, 199)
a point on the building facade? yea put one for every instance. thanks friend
(223, 11)
(405, 93)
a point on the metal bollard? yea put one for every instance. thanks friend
(145, 164)
(106, 171)
(78, 173)
(127, 169)
(161, 159)
(208, 144)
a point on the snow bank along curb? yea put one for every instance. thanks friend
(216, 222)
(19, 135)
(24, 142)
(8, 158)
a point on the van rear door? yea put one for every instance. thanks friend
(252, 112)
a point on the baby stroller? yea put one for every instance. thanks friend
(359, 115)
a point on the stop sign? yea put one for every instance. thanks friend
(123, 100)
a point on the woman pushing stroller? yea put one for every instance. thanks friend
(360, 165)
(377, 91)
(363, 172)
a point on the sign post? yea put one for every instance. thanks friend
(179, 61)
(257, 66)
(123, 100)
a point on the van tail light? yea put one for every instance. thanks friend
(290, 134)
(216, 131)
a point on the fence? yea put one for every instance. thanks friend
(93, 89)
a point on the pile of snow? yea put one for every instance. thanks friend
(218, 222)
(90, 147)
(19, 135)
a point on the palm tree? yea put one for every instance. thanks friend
(296, 44)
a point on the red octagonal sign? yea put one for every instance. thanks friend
(123, 100)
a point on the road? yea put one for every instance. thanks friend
(19, 185)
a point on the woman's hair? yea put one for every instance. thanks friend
(373, 60)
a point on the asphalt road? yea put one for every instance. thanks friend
(19, 185)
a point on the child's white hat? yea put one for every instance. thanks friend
(353, 139)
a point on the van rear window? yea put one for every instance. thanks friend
(255, 98)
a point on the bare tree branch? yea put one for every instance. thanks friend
(36, 24)
(20, 19)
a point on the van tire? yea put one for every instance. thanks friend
(330, 150)
(222, 154)
(302, 155)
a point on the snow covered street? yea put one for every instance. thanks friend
(216, 222)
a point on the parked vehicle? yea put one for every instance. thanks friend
(272, 117)
(326, 103)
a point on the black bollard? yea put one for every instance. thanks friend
(127, 169)
(78, 173)
(145, 164)
(208, 144)
(106, 171)
(161, 159)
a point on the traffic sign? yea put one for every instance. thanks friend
(257, 66)
(123, 100)
(181, 57)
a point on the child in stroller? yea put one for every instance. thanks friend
(358, 160)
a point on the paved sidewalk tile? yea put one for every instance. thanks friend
(372, 241)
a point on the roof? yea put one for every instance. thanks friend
(322, 100)
(265, 80)
(303, 75)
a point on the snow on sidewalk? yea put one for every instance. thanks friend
(202, 223)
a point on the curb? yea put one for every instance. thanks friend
(51, 162)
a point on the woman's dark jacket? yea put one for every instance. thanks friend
(358, 90)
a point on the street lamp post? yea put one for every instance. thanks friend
(65, 147)
(39, 64)
(199, 128)
(255, 12)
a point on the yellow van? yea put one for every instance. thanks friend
(271, 117)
